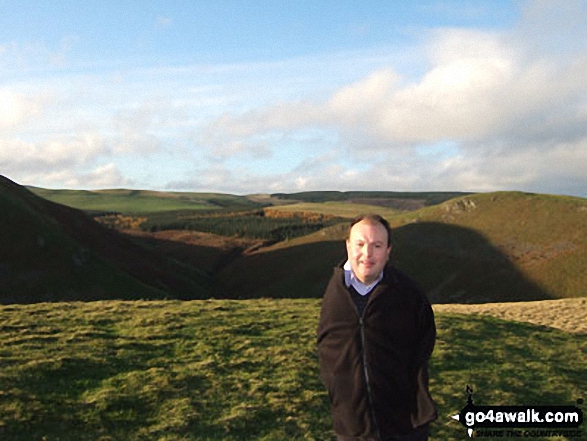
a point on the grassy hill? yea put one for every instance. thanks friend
(542, 238)
(142, 201)
(52, 252)
(473, 249)
(229, 370)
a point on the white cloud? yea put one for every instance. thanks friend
(105, 176)
(475, 90)
(456, 98)
(552, 29)
(511, 104)
(136, 129)
(59, 161)
(518, 117)
(58, 152)
(17, 108)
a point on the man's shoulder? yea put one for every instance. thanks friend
(337, 273)
(337, 276)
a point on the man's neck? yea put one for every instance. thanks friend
(361, 287)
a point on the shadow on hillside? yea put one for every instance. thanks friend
(459, 265)
(208, 259)
(453, 264)
(283, 273)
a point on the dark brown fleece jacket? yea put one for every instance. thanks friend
(376, 366)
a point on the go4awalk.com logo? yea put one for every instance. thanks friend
(520, 421)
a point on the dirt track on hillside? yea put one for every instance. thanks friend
(567, 314)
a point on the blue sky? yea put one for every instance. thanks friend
(282, 96)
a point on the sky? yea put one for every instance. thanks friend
(265, 96)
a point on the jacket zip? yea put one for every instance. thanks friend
(366, 374)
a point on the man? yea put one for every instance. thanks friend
(375, 336)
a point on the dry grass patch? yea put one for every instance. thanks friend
(569, 315)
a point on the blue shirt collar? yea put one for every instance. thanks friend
(351, 280)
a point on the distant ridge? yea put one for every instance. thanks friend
(390, 199)
(51, 252)
(461, 247)
(141, 201)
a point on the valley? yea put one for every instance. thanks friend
(144, 315)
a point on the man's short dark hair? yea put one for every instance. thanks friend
(372, 219)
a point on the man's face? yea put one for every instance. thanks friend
(367, 250)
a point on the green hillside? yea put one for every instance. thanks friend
(228, 370)
(51, 252)
(476, 248)
(473, 249)
(142, 201)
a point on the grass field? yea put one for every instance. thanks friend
(239, 370)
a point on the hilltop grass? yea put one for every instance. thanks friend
(238, 370)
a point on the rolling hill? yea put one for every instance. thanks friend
(52, 252)
(231, 370)
(391, 199)
(473, 249)
(513, 236)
